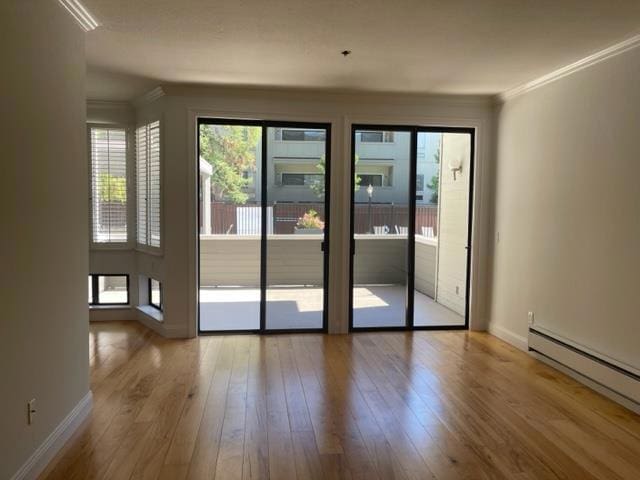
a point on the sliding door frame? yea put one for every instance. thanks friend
(410, 266)
(264, 125)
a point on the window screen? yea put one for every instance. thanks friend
(108, 185)
(155, 293)
(108, 289)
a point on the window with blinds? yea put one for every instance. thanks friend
(108, 185)
(148, 184)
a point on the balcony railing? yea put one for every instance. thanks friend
(233, 219)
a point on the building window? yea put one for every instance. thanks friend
(304, 179)
(109, 289)
(366, 179)
(300, 135)
(419, 182)
(148, 184)
(108, 147)
(155, 294)
(376, 137)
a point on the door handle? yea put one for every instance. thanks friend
(324, 246)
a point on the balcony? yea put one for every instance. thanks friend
(230, 279)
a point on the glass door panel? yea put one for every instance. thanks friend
(380, 225)
(443, 174)
(229, 226)
(297, 224)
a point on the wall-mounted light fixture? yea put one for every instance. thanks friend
(455, 165)
(80, 13)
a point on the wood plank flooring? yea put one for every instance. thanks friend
(422, 405)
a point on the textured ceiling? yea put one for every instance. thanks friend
(422, 46)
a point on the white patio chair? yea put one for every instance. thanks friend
(428, 232)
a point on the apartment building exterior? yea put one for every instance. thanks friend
(296, 156)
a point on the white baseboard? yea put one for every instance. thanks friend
(55, 441)
(508, 336)
(111, 314)
(618, 384)
(171, 331)
(607, 392)
(151, 323)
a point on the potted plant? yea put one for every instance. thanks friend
(309, 223)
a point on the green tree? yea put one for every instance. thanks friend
(318, 185)
(231, 151)
(112, 188)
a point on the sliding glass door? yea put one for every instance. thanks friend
(295, 199)
(381, 200)
(263, 225)
(410, 227)
(442, 224)
(230, 214)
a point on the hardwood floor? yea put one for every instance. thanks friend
(440, 405)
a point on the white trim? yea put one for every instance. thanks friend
(37, 462)
(508, 336)
(572, 68)
(151, 323)
(81, 15)
(177, 331)
(588, 350)
(321, 96)
(607, 392)
(152, 312)
(130, 162)
(608, 378)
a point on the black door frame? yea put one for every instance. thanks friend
(413, 161)
(264, 125)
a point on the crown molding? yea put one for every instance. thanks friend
(570, 69)
(325, 95)
(80, 14)
(149, 97)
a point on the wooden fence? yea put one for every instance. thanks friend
(224, 216)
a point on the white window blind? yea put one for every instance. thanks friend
(108, 185)
(148, 184)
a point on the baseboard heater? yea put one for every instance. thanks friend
(620, 381)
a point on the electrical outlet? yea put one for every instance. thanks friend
(31, 411)
(531, 318)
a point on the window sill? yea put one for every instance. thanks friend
(110, 307)
(152, 312)
(155, 251)
(110, 247)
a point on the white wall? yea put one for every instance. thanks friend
(105, 259)
(453, 203)
(44, 227)
(425, 268)
(178, 110)
(567, 210)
